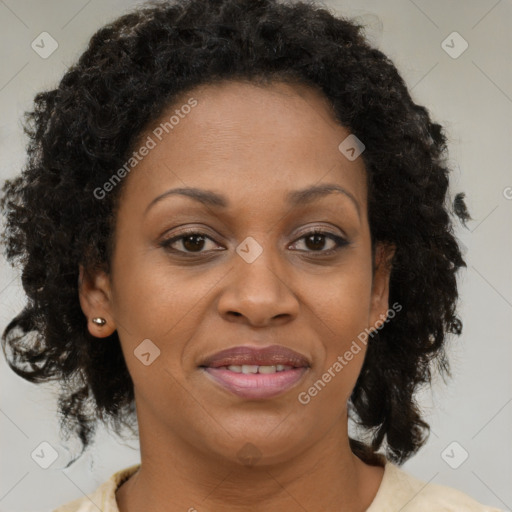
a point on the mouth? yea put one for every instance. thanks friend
(256, 373)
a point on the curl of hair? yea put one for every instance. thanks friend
(86, 128)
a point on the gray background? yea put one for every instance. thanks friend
(470, 95)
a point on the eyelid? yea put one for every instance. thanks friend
(167, 241)
(323, 229)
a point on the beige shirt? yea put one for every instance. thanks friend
(398, 491)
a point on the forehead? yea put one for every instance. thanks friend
(247, 139)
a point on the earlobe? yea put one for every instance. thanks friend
(95, 300)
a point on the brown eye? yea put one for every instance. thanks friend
(315, 241)
(195, 241)
(190, 242)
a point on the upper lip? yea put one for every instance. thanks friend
(247, 355)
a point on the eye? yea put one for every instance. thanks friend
(315, 241)
(192, 241)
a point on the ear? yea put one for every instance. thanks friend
(96, 301)
(384, 254)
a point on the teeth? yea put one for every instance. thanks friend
(267, 369)
(248, 368)
(254, 368)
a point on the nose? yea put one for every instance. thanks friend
(259, 293)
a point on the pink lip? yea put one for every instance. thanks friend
(266, 356)
(256, 385)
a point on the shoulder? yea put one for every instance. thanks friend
(103, 498)
(402, 491)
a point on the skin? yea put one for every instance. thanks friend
(252, 144)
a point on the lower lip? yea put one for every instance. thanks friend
(256, 385)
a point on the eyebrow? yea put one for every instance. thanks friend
(294, 198)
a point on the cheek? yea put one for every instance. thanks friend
(163, 304)
(340, 314)
(340, 311)
(152, 297)
(342, 301)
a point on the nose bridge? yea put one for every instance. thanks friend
(258, 289)
(257, 267)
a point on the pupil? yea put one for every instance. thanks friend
(193, 246)
(317, 239)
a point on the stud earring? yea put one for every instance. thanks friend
(99, 321)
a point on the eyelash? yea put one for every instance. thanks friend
(340, 242)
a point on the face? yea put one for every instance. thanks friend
(191, 277)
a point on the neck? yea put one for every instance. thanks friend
(175, 476)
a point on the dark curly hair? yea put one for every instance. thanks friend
(86, 128)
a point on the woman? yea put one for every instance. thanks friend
(233, 229)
